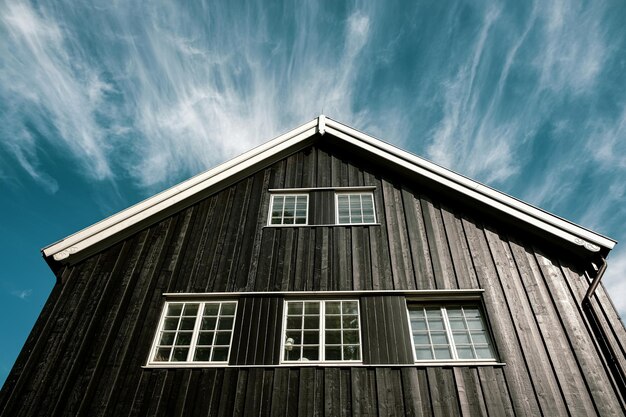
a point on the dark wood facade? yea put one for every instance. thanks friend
(86, 353)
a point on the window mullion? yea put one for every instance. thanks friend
(322, 331)
(196, 331)
(446, 323)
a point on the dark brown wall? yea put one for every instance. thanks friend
(85, 354)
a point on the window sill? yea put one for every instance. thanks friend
(333, 365)
(279, 226)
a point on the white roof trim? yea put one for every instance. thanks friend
(500, 201)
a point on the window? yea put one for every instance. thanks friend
(195, 332)
(321, 331)
(447, 333)
(354, 208)
(289, 209)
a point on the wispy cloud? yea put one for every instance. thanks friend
(614, 280)
(22, 294)
(48, 89)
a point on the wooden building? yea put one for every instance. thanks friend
(325, 273)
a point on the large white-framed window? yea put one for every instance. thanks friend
(454, 332)
(354, 208)
(289, 209)
(193, 332)
(321, 331)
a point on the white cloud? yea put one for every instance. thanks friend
(41, 77)
(615, 279)
(22, 294)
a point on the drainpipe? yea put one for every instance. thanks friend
(617, 376)
(595, 282)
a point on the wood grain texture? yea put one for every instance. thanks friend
(85, 354)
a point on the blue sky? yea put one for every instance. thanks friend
(104, 103)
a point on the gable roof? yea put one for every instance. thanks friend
(299, 138)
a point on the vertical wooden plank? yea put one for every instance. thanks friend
(361, 262)
(420, 252)
(461, 258)
(469, 392)
(580, 341)
(443, 394)
(521, 390)
(251, 263)
(379, 247)
(363, 392)
(332, 392)
(342, 259)
(438, 243)
(543, 380)
(307, 394)
(399, 250)
(495, 393)
(416, 394)
(570, 379)
(279, 394)
(389, 392)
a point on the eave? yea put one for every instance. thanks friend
(153, 208)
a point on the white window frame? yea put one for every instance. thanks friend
(194, 338)
(322, 331)
(361, 193)
(448, 330)
(269, 214)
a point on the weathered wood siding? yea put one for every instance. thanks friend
(86, 351)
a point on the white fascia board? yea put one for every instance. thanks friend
(134, 214)
(501, 201)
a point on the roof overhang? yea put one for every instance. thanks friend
(290, 142)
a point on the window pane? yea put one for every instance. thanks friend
(432, 325)
(179, 332)
(220, 354)
(183, 339)
(350, 337)
(294, 322)
(333, 353)
(223, 338)
(208, 323)
(211, 309)
(202, 354)
(228, 309)
(294, 354)
(423, 353)
(187, 323)
(333, 337)
(167, 338)
(351, 353)
(355, 208)
(442, 353)
(174, 309)
(350, 322)
(163, 355)
(312, 308)
(288, 209)
(333, 307)
(333, 322)
(205, 338)
(339, 325)
(294, 308)
(310, 353)
(180, 354)
(311, 338)
(190, 310)
(296, 336)
(170, 324)
(350, 307)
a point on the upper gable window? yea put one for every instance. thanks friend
(194, 332)
(449, 333)
(321, 331)
(289, 209)
(355, 208)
